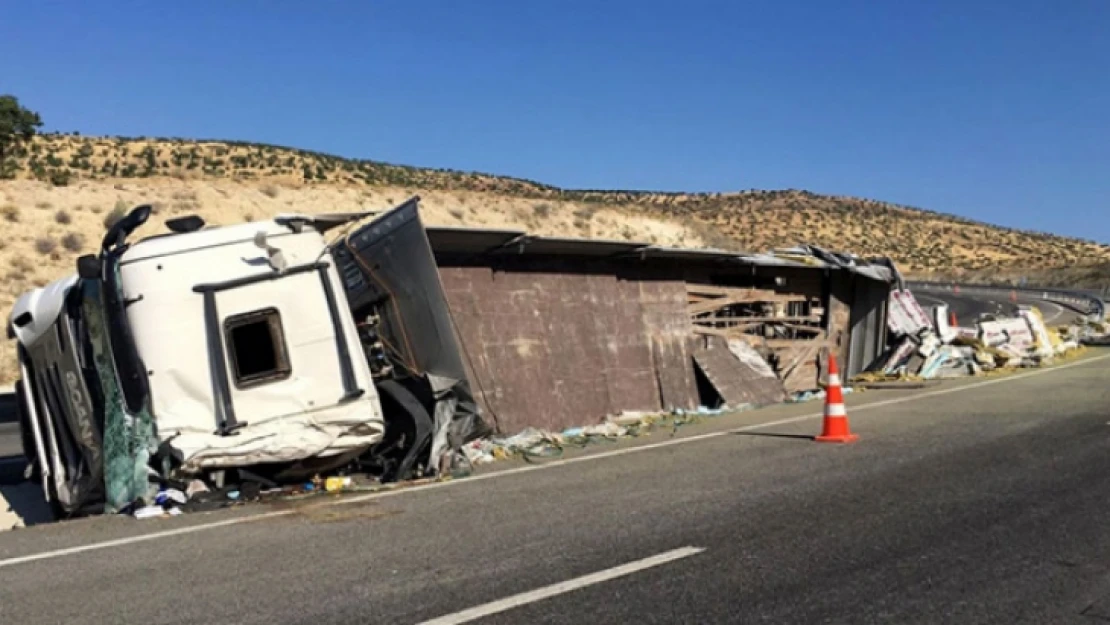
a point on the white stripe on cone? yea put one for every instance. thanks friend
(835, 410)
(834, 379)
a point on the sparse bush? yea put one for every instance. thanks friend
(10, 212)
(73, 242)
(543, 209)
(22, 265)
(60, 177)
(457, 213)
(585, 214)
(45, 245)
(43, 205)
(63, 217)
(270, 190)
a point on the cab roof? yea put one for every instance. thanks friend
(170, 243)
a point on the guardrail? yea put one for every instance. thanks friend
(1093, 304)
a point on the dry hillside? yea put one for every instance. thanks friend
(921, 241)
(67, 187)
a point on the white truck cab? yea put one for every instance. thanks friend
(205, 350)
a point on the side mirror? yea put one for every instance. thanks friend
(137, 217)
(89, 267)
(117, 234)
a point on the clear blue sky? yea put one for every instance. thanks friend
(997, 110)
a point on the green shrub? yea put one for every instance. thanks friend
(60, 177)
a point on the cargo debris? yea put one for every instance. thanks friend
(925, 347)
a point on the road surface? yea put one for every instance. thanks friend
(981, 501)
(969, 306)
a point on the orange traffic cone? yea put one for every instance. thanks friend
(835, 429)
(952, 320)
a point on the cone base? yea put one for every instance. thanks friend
(837, 438)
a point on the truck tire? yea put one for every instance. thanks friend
(408, 430)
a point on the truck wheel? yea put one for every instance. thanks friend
(408, 430)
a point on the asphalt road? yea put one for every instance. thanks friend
(969, 306)
(9, 439)
(983, 501)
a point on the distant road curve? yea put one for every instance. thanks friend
(968, 306)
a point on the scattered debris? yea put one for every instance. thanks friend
(926, 346)
(333, 484)
(149, 512)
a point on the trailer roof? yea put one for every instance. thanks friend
(460, 241)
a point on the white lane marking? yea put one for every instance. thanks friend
(546, 592)
(534, 467)
(57, 553)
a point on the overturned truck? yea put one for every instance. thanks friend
(260, 351)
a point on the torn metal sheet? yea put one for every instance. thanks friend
(751, 358)
(737, 380)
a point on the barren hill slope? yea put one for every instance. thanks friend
(66, 185)
(755, 220)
